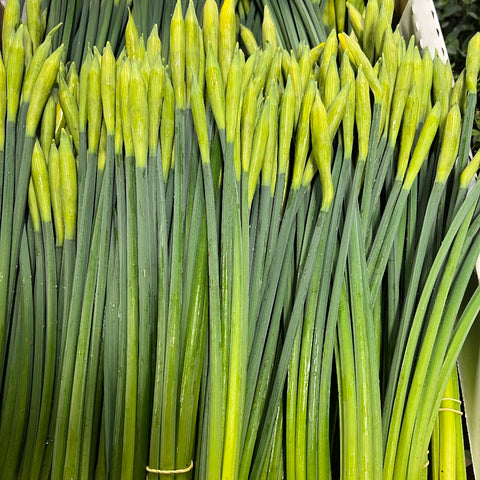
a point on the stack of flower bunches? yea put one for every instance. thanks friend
(244, 221)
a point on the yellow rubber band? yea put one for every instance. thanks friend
(452, 400)
(169, 472)
(450, 410)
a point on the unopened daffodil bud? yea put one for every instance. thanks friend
(15, 67)
(56, 192)
(138, 115)
(177, 55)
(41, 184)
(211, 25)
(227, 36)
(167, 126)
(68, 177)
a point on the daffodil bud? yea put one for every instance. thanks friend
(473, 63)
(469, 171)
(94, 107)
(442, 84)
(47, 127)
(211, 25)
(270, 161)
(424, 142)
(3, 103)
(138, 115)
(233, 95)
(322, 149)
(356, 21)
(259, 144)
(248, 39)
(155, 97)
(316, 52)
(247, 70)
(68, 180)
(41, 184)
(360, 60)
(380, 29)
(200, 120)
(459, 91)
(167, 126)
(131, 36)
(38, 59)
(34, 22)
(102, 149)
(348, 77)
(41, 90)
(450, 144)
(56, 192)
(409, 128)
(426, 84)
(269, 32)
(402, 87)
(193, 45)
(371, 17)
(302, 138)
(15, 65)
(330, 50)
(285, 129)
(294, 74)
(227, 36)
(154, 45)
(108, 72)
(249, 109)
(305, 66)
(389, 55)
(336, 110)
(11, 20)
(332, 83)
(215, 88)
(70, 110)
(177, 55)
(83, 92)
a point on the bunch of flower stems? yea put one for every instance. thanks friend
(238, 263)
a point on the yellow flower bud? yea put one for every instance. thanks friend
(269, 32)
(356, 21)
(426, 84)
(389, 55)
(360, 60)
(56, 192)
(330, 50)
(247, 70)
(316, 52)
(473, 63)
(215, 88)
(177, 55)
(83, 92)
(232, 97)
(285, 130)
(424, 142)
(11, 20)
(167, 126)
(348, 77)
(34, 22)
(131, 36)
(138, 115)
(336, 110)
(459, 90)
(402, 87)
(294, 73)
(469, 172)
(41, 90)
(108, 72)
(227, 36)
(94, 107)
(3, 102)
(322, 149)
(371, 17)
(154, 45)
(442, 84)
(332, 83)
(380, 29)
(118, 109)
(248, 39)
(47, 127)
(70, 110)
(27, 45)
(409, 128)
(38, 59)
(249, 109)
(275, 71)
(40, 182)
(450, 144)
(15, 64)
(68, 177)
(302, 138)
(155, 96)
(211, 25)
(193, 45)
(270, 161)
(363, 113)
(305, 66)
(200, 120)
(259, 143)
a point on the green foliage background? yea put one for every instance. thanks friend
(460, 20)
